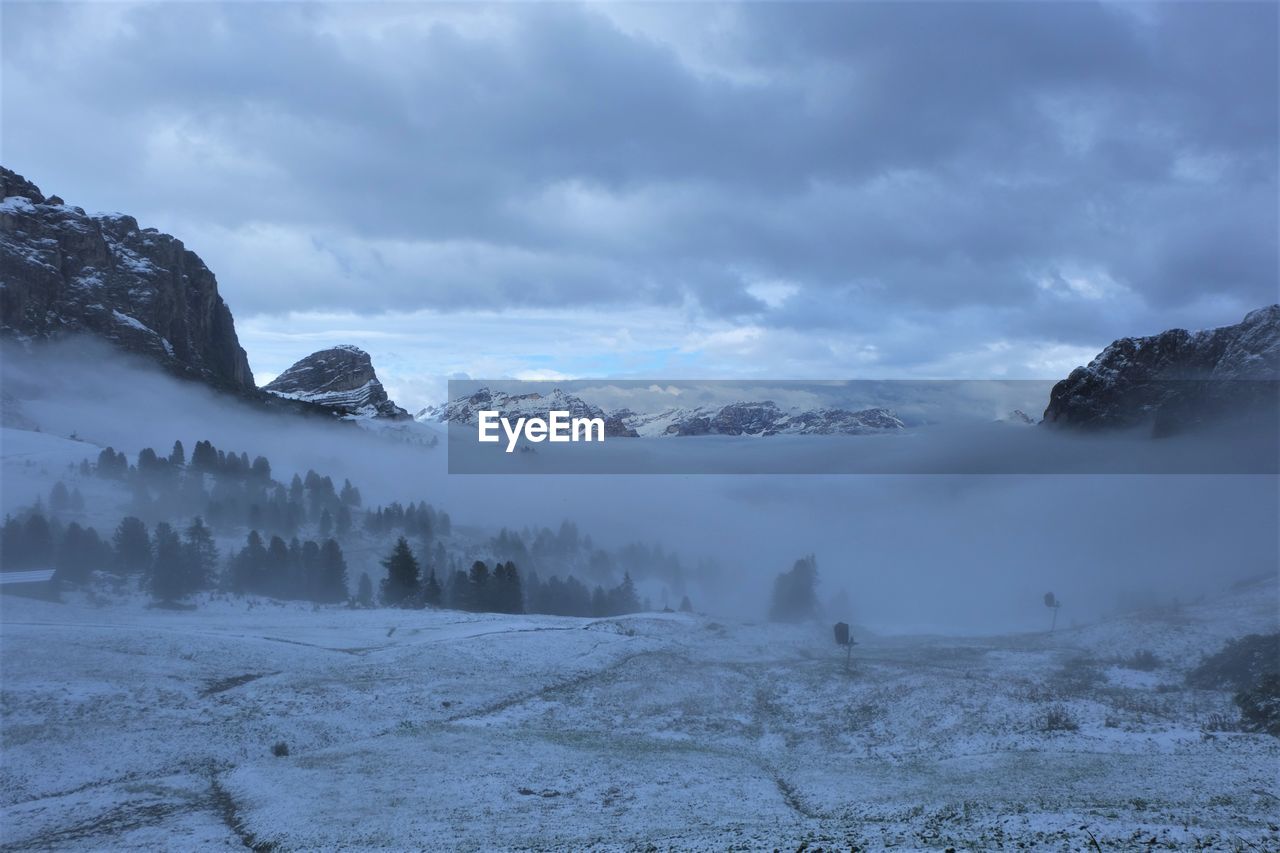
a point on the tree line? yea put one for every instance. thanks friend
(500, 589)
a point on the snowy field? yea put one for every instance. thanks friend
(127, 727)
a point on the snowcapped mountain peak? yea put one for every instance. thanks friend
(465, 410)
(143, 291)
(745, 417)
(341, 379)
(1019, 417)
(762, 418)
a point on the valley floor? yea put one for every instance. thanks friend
(125, 727)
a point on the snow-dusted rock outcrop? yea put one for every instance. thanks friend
(1018, 417)
(63, 271)
(341, 380)
(1175, 376)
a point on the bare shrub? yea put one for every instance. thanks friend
(1240, 665)
(1260, 705)
(1077, 676)
(1057, 719)
(1220, 723)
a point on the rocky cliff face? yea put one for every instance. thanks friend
(62, 271)
(341, 380)
(1175, 378)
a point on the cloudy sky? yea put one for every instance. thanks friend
(674, 190)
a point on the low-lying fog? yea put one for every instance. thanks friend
(922, 552)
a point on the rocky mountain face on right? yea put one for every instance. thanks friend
(1176, 379)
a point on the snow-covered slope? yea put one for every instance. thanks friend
(152, 729)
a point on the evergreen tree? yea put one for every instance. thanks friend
(132, 546)
(178, 456)
(480, 592)
(507, 595)
(111, 465)
(686, 606)
(623, 598)
(75, 553)
(148, 462)
(400, 587)
(350, 495)
(311, 573)
(364, 591)
(201, 556)
(294, 583)
(326, 523)
(38, 545)
(333, 573)
(13, 551)
(204, 458)
(59, 497)
(248, 569)
(795, 597)
(167, 579)
(277, 568)
(261, 469)
(460, 597)
(432, 595)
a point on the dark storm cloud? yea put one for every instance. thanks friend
(1059, 172)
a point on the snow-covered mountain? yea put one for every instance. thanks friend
(341, 379)
(1018, 417)
(760, 418)
(744, 418)
(67, 272)
(665, 422)
(1174, 377)
(464, 410)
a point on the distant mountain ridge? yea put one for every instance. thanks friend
(742, 418)
(465, 410)
(341, 379)
(760, 418)
(66, 271)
